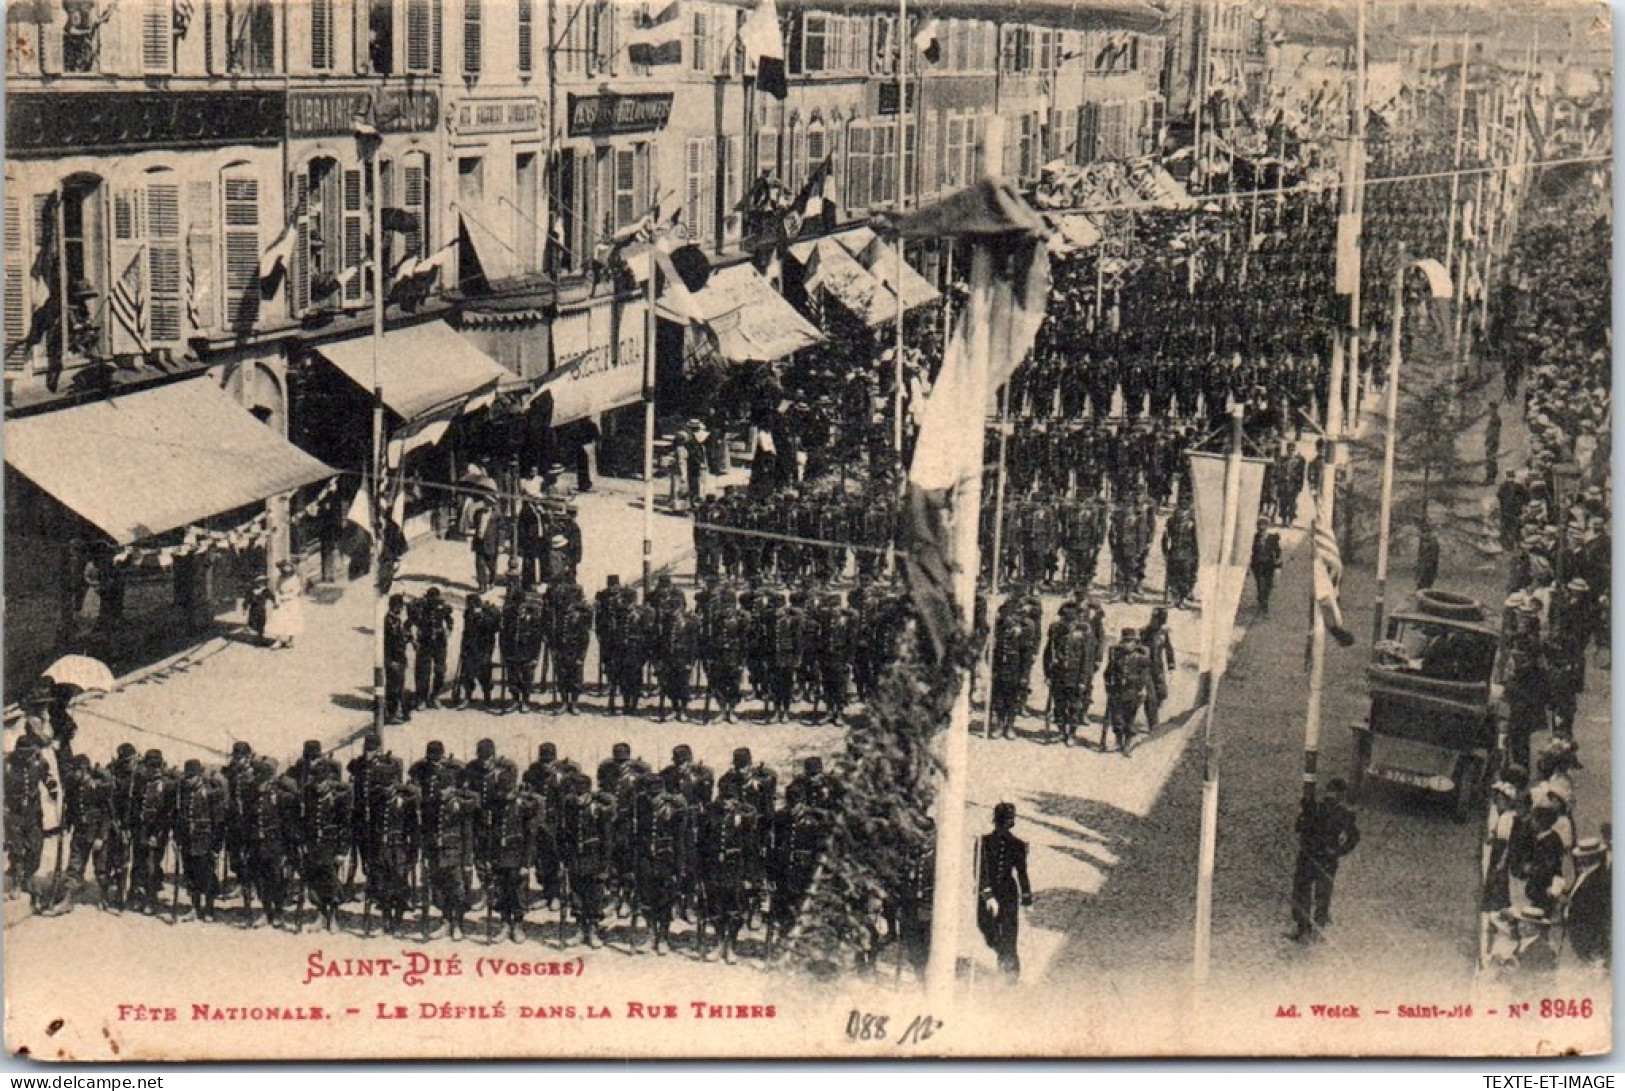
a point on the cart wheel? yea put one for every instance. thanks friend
(1362, 762)
(1469, 772)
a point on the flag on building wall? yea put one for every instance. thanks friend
(274, 261)
(929, 41)
(128, 300)
(763, 40)
(657, 39)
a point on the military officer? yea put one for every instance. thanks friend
(1004, 889)
(431, 626)
(397, 643)
(1128, 671)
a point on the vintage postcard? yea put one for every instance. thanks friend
(807, 529)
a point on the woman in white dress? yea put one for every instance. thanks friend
(287, 614)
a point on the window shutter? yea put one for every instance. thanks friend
(415, 199)
(418, 32)
(242, 233)
(128, 271)
(930, 176)
(321, 35)
(471, 37)
(732, 191)
(354, 237)
(767, 153)
(299, 275)
(157, 37)
(16, 306)
(626, 181)
(164, 261)
(693, 202)
(527, 19)
(198, 276)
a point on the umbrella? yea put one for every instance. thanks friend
(81, 672)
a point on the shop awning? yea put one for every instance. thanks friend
(421, 368)
(596, 371)
(751, 321)
(831, 268)
(881, 259)
(141, 464)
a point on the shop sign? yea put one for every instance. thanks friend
(609, 115)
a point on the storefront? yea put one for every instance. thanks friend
(156, 507)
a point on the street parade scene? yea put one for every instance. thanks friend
(1143, 530)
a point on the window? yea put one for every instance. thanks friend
(911, 175)
(526, 12)
(16, 270)
(157, 37)
(858, 167)
(699, 192)
(816, 38)
(321, 35)
(332, 234)
(767, 153)
(526, 174)
(628, 205)
(470, 182)
(883, 165)
(1018, 49)
(84, 256)
(1046, 50)
(471, 37)
(198, 269)
(240, 217)
(961, 134)
(1028, 153)
(602, 37)
(884, 49)
(381, 36)
(422, 36)
(699, 43)
(251, 36)
(816, 149)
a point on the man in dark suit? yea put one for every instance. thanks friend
(1004, 888)
(1326, 833)
(1266, 559)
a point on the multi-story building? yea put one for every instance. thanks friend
(213, 192)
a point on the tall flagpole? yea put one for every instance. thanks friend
(951, 876)
(897, 348)
(1352, 403)
(1209, 840)
(1455, 163)
(1384, 519)
(649, 332)
(379, 451)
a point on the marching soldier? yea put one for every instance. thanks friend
(326, 837)
(837, 647)
(427, 768)
(448, 850)
(613, 768)
(812, 787)
(724, 643)
(523, 632)
(1070, 660)
(1159, 651)
(638, 640)
(26, 773)
(238, 775)
(729, 861)
(784, 623)
(394, 835)
(93, 818)
(397, 642)
(1265, 561)
(1179, 554)
(664, 851)
(154, 817)
(122, 769)
(1128, 670)
(1003, 889)
(362, 769)
(431, 626)
(803, 830)
(1012, 668)
(200, 815)
(675, 661)
(545, 780)
(574, 631)
(476, 652)
(587, 821)
(272, 816)
(513, 819)
(609, 624)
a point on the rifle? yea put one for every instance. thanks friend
(421, 869)
(564, 901)
(175, 884)
(300, 867)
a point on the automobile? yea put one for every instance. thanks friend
(1437, 718)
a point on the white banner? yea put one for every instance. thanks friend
(1221, 590)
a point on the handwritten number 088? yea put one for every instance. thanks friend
(862, 1027)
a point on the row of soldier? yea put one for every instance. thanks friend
(1074, 650)
(811, 643)
(436, 837)
(818, 531)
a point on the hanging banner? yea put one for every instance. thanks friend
(1221, 590)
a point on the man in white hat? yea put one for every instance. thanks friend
(1591, 903)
